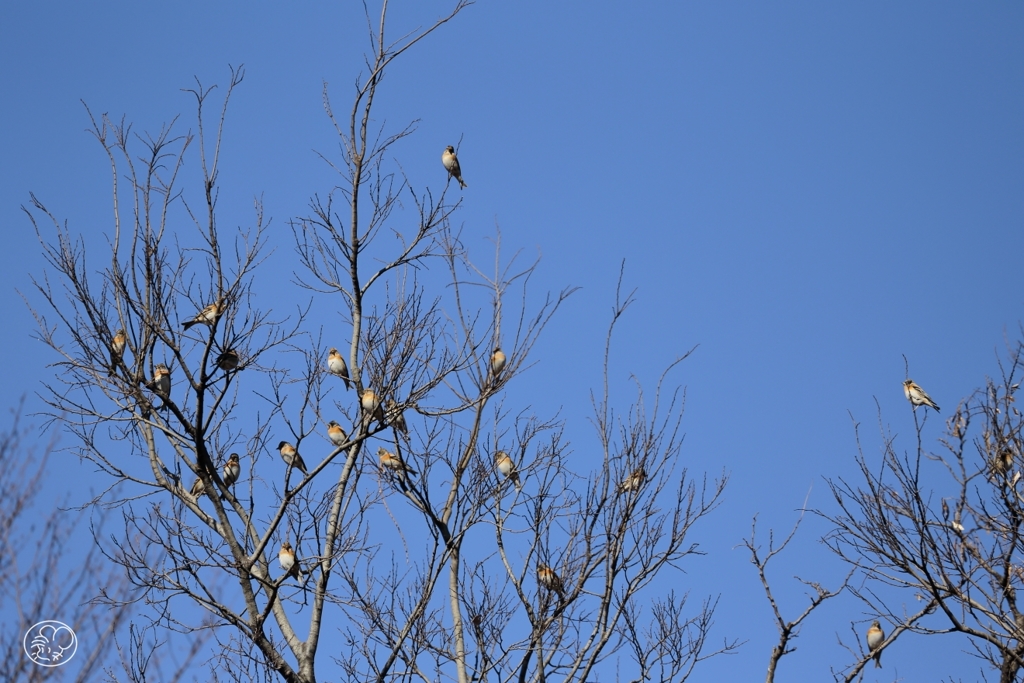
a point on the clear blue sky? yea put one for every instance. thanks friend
(807, 190)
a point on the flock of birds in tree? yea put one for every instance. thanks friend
(390, 414)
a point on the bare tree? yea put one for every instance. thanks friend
(946, 527)
(432, 530)
(789, 630)
(49, 572)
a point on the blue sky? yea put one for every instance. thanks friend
(809, 191)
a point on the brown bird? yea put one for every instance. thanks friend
(291, 456)
(336, 434)
(117, 350)
(371, 407)
(917, 396)
(547, 578)
(336, 366)
(288, 562)
(232, 470)
(451, 164)
(396, 417)
(633, 482)
(497, 361)
(508, 468)
(207, 316)
(875, 638)
(394, 463)
(198, 488)
(161, 382)
(228, 360)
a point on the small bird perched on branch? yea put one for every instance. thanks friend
(371, 407)
(507, 468)
(336, 366)
(396, 417)
(875, 638)
(197, 488)
(291, 456)
(228, 360)
(917, 396)
(547, 578)
(497, 361)
(335, 433)
(207, 316)
(394, 463)
(117, 350)
(288, 562)
(451, 163)
(633, 482)
(232, 470)
(161, 382)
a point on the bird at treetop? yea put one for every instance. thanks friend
(547, 578)
(207, 316)
(291, 456)
(497, 361)
(335, 433)
(508, 468)
(451, 164)
(336, 366)
(393, 462)
(117, 350)
(288, 563)
(228, 360)
(917, 396)
(633, 482)
(197, 488)
(875, 638)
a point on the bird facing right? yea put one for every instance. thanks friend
(917, 396)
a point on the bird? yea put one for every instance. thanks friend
(875, 638)
(917, 396)
(336, 365)
(335, 433)
(197, 488)
(288, 563)
(508, 468)
(161, 382)
(232, 470)
(371, 407)
(451, 163)
(945, 510)
(1002, 463)
(394, 463)
(396, 417)
(497, 361)
(291, 456)
(117, 350)
(207, 316)
(228, 360)
(547, 578)
(633, 482)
